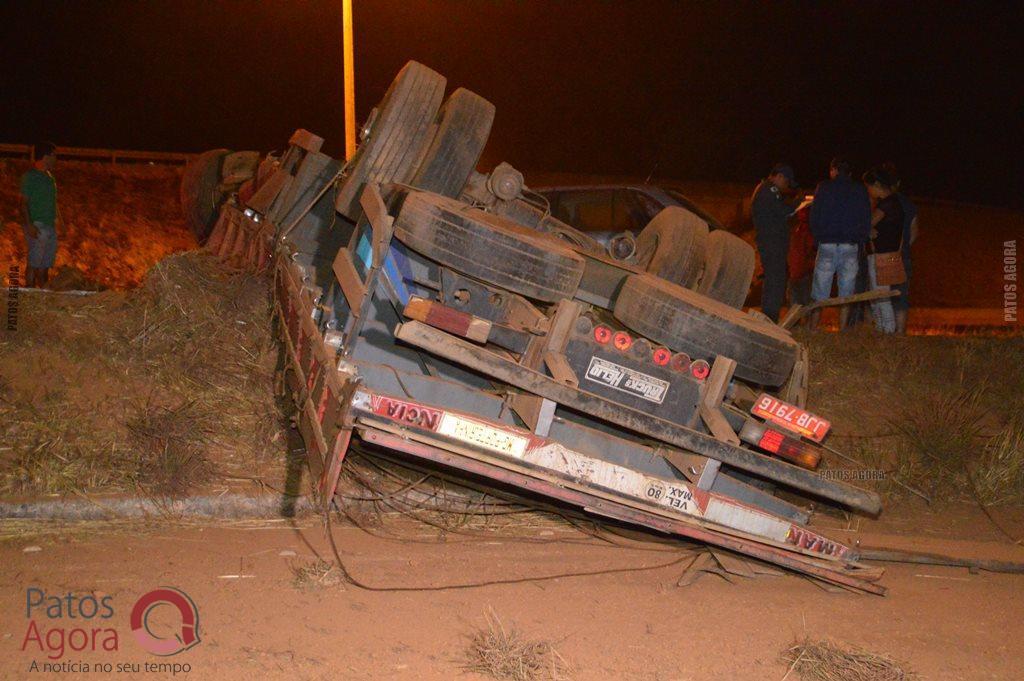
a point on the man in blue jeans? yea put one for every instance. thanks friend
(39, 214)
(840, 222)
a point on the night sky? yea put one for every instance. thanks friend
(709, 91)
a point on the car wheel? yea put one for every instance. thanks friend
(672, 246)
(488, 247)
(728, 269)
(395, 137)
(703, 328)
(463, 125)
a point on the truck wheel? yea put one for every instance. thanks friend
(201, 193)
(395, 136)
(488, 247)
(672, 246)
(463, 125)
(728, 269)
(703, 328)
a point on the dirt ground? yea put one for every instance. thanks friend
(943, 623)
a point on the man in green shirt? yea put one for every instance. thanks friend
(39, 214)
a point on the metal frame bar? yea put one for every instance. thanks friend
(827, 572)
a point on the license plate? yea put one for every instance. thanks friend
(790, 417)
(482, 435)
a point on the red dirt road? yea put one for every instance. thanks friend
(943, 622)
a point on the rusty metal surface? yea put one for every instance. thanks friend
(511, 447)
(829, 572)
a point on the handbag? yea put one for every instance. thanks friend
(889, 269)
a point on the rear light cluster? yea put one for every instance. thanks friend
(784, 446)
(661, 356)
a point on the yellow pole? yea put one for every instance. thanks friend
(350, 80)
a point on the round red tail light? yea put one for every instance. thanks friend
(602, 334)
(622, 341)
(662, 356)
(700, 369)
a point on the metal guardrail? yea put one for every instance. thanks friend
(114, 155)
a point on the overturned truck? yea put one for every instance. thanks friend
(443, 314)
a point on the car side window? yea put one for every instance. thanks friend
(603, 210)
(648, 205)
(630, 211)
(586, 209)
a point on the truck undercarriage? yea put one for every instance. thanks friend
(443, 315)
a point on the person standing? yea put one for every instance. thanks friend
(901, 303)
(770, 212)
(840, 222)
(886, 237)
(39, 214)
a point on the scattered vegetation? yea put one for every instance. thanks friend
(504, 653)
(938, 414)
(156, 389)
(170, 448)
(829, 661)
(316, 574)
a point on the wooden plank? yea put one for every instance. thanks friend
(351, 285)
(306, 140)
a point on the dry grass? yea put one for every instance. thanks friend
(999, 475)
(934, 412)
(152, 389)
(829, 661)
(315, 575)
(502, 652)
(170, 448)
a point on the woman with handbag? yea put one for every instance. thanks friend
(885, 260)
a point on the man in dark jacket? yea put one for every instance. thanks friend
(840, 223)
(770, 212)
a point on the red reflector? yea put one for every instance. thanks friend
(602, 334)
(700, 369)
(662, 356)
(622, 341)
(771, 440)
(681, 361)
(790, 449)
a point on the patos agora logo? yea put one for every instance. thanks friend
(187, 635)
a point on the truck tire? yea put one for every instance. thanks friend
(201, 193)
(672, 246)
(728, 269)
(703, 328)
(463, 125)
(396, 135)
(488, 247)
